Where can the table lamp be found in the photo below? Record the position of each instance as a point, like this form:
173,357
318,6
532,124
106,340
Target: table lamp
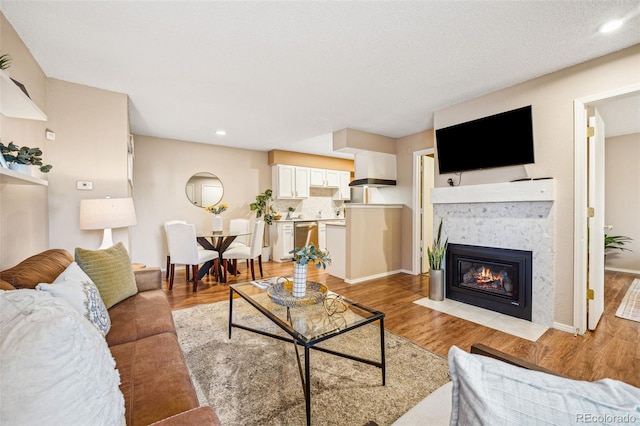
107,213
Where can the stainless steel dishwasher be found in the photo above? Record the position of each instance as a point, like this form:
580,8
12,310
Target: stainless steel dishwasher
306,233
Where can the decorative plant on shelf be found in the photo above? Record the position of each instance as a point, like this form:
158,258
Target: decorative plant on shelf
218,208
24,155
437,252
5,61
311,254
263,207
616,242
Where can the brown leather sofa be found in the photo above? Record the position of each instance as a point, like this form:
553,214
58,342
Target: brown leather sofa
142,339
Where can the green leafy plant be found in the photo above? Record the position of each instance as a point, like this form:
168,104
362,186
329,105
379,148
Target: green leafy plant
616,242
263,207
438,250
311,254
5,61
24,155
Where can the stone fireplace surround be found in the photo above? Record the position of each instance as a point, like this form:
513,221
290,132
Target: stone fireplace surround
513,215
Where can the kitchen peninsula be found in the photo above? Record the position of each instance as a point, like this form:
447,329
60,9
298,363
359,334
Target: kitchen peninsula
368,245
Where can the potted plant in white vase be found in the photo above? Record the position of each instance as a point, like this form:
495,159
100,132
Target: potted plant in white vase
436,255
301,258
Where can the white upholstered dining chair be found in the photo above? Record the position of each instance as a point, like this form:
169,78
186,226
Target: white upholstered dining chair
239,226
169,222
247,253
184,250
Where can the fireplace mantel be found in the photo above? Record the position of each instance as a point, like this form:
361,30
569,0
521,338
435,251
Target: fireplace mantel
533,190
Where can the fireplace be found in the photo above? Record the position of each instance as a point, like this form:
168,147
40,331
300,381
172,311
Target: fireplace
492,278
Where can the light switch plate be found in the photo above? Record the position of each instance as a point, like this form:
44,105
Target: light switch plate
84,185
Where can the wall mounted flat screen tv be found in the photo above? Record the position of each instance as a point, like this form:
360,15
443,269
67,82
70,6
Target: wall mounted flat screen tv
500,140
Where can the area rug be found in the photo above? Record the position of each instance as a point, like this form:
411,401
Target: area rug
254,380
630,306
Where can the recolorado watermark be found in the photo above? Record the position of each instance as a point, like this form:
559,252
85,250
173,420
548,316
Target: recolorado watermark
614,419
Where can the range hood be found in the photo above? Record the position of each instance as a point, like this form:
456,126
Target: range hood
374,169
372,182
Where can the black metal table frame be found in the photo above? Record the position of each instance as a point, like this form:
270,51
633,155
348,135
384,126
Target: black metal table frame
306,383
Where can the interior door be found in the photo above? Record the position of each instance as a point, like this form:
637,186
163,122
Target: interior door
595,297
427,170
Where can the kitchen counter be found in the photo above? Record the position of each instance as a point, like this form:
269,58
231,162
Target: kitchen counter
311,219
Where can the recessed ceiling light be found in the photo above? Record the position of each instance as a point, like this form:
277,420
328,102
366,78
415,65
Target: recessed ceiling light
611,26
221,132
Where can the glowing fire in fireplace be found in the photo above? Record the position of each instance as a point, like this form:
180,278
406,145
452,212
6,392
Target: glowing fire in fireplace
486,276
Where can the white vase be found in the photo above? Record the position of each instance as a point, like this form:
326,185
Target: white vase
299,280
217,223
21,168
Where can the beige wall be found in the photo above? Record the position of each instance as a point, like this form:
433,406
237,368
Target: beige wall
24,225
622,196
91,128
552,98
351,140
162,167
381,228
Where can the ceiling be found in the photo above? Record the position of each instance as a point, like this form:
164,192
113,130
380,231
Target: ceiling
285,75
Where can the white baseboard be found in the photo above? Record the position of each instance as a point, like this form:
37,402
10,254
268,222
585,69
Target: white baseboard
372,277
564,327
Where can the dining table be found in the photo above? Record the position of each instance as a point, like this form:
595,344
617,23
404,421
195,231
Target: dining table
220,242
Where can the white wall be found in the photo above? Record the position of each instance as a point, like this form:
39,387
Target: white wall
622,197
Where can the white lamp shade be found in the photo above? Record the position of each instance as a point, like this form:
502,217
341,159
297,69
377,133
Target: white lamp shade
106,213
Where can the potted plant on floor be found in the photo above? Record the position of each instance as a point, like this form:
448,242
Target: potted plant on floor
436,255
616,242
21,158
263,208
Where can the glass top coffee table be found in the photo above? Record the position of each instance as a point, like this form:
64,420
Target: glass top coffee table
309,325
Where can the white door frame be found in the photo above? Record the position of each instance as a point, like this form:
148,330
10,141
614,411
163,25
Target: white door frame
580,263
415,238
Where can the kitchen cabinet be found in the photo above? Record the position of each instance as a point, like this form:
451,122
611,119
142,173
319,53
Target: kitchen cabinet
324,178
282,238
15,103
322,235
344,191
291,181
336,236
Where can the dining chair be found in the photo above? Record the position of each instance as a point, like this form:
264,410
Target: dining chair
248,253
169,222
239,226
184,251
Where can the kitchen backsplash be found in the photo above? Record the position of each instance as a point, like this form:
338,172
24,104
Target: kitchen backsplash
320,205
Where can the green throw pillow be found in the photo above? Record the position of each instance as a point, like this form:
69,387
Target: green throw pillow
111,272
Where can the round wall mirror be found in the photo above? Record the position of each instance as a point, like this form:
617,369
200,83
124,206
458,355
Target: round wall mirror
204,189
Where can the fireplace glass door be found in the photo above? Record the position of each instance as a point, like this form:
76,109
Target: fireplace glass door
492,278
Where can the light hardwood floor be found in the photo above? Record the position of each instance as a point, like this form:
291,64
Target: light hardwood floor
612,350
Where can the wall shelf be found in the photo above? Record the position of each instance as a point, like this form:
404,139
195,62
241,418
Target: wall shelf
14,103
534,190
17,178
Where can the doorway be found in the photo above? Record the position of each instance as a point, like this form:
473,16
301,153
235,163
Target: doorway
423,171
583,263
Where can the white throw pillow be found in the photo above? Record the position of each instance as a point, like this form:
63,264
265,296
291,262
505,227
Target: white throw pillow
75,286
490,392
56,367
